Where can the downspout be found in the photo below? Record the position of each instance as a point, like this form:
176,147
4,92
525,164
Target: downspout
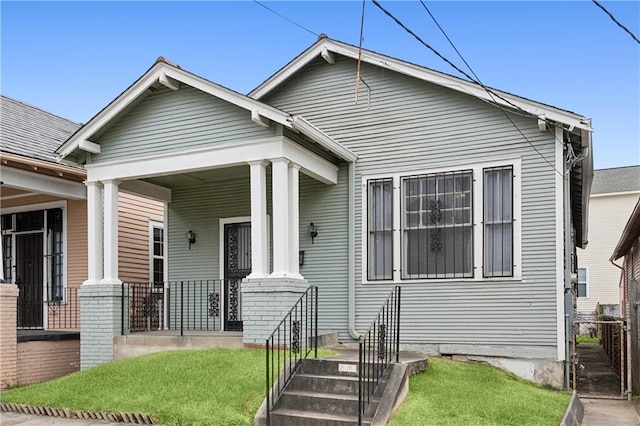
352,251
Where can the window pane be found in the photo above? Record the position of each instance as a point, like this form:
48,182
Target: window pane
29,221
582,289
380,223
440,243
498,222
7,241
582,275
158,270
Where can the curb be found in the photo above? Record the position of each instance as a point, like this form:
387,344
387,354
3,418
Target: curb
135,418
575,412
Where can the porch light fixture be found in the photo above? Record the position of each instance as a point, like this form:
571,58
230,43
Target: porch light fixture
313,231
301,257
191,238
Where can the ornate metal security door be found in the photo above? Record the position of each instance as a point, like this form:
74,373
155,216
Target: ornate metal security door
237,237
29,258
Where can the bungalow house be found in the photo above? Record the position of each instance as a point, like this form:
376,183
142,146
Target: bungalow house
628,247
470,199
44,244
613,195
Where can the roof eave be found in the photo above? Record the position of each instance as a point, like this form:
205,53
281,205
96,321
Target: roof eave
534,108
587,180
630,233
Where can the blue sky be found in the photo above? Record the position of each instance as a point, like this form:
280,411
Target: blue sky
73,58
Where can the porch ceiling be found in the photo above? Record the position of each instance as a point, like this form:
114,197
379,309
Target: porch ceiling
183,180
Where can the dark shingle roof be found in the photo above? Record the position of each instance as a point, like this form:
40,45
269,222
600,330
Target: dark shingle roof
619,179
31,132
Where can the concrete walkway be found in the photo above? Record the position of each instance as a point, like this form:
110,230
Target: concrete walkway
596,378
609,412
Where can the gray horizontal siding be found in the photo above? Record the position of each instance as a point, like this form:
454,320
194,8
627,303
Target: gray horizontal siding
171,121
410,125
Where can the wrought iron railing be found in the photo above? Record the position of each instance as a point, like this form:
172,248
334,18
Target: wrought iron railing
194,305
290,343
377,348
55,309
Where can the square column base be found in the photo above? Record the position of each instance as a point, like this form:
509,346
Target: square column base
101,307
265,302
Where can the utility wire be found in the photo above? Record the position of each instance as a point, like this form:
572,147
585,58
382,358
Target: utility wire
475,80
616,21
286,19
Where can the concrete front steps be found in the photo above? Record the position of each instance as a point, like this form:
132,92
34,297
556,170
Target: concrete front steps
325,393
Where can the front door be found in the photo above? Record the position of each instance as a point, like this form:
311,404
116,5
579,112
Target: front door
29,258
237,265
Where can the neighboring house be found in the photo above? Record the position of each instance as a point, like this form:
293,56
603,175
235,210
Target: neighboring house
424,182
44,237
613,195
629,247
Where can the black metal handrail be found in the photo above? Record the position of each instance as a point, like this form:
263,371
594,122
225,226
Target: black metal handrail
292,341
190,305
376,348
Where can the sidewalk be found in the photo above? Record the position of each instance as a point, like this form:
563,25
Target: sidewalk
13,419
609,412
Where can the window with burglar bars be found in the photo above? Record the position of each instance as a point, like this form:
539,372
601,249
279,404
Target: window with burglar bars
437,228
425,226
380,222
498,222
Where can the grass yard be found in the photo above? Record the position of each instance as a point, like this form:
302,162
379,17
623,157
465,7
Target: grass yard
226,387
207,387
453,393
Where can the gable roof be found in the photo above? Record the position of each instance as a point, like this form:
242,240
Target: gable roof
614,180
326,47
629,235
170,75
31,132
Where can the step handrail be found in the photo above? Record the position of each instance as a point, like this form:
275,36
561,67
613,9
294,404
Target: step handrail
295,337
376,348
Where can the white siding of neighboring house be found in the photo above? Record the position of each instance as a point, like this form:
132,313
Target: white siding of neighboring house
608,215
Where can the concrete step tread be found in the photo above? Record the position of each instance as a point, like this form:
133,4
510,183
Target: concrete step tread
310,394
317,415
328,376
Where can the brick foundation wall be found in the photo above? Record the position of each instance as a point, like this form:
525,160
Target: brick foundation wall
8,335
39,361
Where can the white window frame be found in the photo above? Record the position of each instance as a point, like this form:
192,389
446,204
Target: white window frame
478,217
154,224
586,283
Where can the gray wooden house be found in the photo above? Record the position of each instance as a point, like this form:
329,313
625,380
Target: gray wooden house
472,200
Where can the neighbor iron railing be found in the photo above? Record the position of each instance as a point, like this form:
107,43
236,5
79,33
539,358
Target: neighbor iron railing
295,337
194,305
55,309
377,347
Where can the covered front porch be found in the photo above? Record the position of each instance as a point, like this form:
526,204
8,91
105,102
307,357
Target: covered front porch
229,171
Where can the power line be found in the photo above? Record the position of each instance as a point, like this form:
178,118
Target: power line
476,80
616,21
286,19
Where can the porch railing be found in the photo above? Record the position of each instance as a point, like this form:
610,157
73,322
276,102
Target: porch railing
377,347
295,337
194,305
55,309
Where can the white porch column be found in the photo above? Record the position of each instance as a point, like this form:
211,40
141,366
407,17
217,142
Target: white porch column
259,248
94,232
111,231
281,225
294,220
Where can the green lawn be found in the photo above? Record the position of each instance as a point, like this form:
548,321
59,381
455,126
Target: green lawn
226,387
453,393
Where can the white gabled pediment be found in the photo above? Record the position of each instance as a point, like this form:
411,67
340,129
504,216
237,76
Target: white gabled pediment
171,77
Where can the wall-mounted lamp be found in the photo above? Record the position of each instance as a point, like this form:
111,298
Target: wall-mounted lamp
313,231
301,257
191,238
